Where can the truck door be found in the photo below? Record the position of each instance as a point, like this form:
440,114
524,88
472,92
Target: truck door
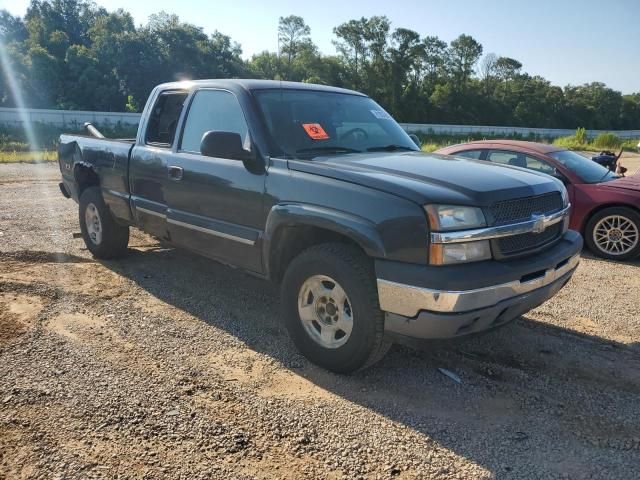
149,160
215,204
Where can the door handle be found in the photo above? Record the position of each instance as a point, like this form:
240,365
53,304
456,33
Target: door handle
175,173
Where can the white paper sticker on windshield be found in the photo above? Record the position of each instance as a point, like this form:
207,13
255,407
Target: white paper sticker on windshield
381,114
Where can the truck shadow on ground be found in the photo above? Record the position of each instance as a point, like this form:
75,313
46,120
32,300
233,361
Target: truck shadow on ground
520,386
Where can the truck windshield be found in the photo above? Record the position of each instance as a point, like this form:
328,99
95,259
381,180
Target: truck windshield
588,170
307,123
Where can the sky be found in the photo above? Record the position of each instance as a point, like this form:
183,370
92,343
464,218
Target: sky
565,41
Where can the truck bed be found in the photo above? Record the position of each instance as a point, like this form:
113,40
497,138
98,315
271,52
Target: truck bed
108,158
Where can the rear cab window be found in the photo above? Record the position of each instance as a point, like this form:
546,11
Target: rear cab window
163,119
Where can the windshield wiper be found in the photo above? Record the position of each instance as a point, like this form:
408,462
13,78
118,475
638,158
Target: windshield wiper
390,148
328,149
605,176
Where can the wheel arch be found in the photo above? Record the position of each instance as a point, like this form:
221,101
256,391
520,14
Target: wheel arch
85,176
599,208
292,228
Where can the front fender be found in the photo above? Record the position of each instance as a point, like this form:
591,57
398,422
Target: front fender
359,229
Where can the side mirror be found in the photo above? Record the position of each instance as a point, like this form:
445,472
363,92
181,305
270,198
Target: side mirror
223,145
415,139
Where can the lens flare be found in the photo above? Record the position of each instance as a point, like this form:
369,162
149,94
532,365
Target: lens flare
18,99
41,199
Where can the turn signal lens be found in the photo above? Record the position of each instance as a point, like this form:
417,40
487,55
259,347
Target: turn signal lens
447,254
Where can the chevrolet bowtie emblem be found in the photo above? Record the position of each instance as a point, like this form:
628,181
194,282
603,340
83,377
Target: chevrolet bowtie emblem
538,223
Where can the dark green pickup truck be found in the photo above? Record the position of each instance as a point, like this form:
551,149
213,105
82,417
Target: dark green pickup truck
320,190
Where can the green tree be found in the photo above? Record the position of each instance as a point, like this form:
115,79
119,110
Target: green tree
363,44
351,46
74,54
464,53
45,78
405,60
507,68
266,65
293,36
435,58
12,29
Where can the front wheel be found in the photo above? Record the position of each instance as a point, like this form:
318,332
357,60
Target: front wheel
330,301
614,233
102,235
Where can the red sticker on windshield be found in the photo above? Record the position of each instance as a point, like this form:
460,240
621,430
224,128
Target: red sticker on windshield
315,131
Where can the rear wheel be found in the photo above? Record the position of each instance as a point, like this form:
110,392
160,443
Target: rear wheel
330,302
614,233
103,236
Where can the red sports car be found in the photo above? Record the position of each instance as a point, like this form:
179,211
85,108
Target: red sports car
606,208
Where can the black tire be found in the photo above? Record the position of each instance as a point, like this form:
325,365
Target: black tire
114,237
353,271
589,234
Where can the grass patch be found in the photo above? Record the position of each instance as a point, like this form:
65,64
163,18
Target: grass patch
631,145
432,141
28,157
607,140
604,141
579,141
430,147
570,143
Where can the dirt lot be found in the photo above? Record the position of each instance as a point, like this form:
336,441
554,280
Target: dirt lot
165,365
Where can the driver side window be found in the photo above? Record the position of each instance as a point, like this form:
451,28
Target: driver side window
217,110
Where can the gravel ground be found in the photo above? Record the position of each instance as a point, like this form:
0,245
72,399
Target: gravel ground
165,365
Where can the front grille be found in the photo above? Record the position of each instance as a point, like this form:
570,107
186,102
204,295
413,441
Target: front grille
521,209
526,241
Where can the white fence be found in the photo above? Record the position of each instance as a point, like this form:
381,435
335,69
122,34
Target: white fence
62,118
11,116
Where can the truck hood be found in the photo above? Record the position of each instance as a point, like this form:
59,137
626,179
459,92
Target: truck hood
431,178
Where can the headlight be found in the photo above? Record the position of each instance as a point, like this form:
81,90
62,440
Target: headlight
453,217
444,218
446,254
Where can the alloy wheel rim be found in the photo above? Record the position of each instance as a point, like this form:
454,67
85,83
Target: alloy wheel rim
325,311
93,223
616,235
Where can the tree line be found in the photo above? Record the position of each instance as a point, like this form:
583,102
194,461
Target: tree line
73,54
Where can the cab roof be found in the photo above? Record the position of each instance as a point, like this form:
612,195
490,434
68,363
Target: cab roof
253,84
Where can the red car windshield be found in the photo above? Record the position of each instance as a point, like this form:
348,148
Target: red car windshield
585,168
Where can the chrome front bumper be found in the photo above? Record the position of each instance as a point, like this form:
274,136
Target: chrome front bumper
409,301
